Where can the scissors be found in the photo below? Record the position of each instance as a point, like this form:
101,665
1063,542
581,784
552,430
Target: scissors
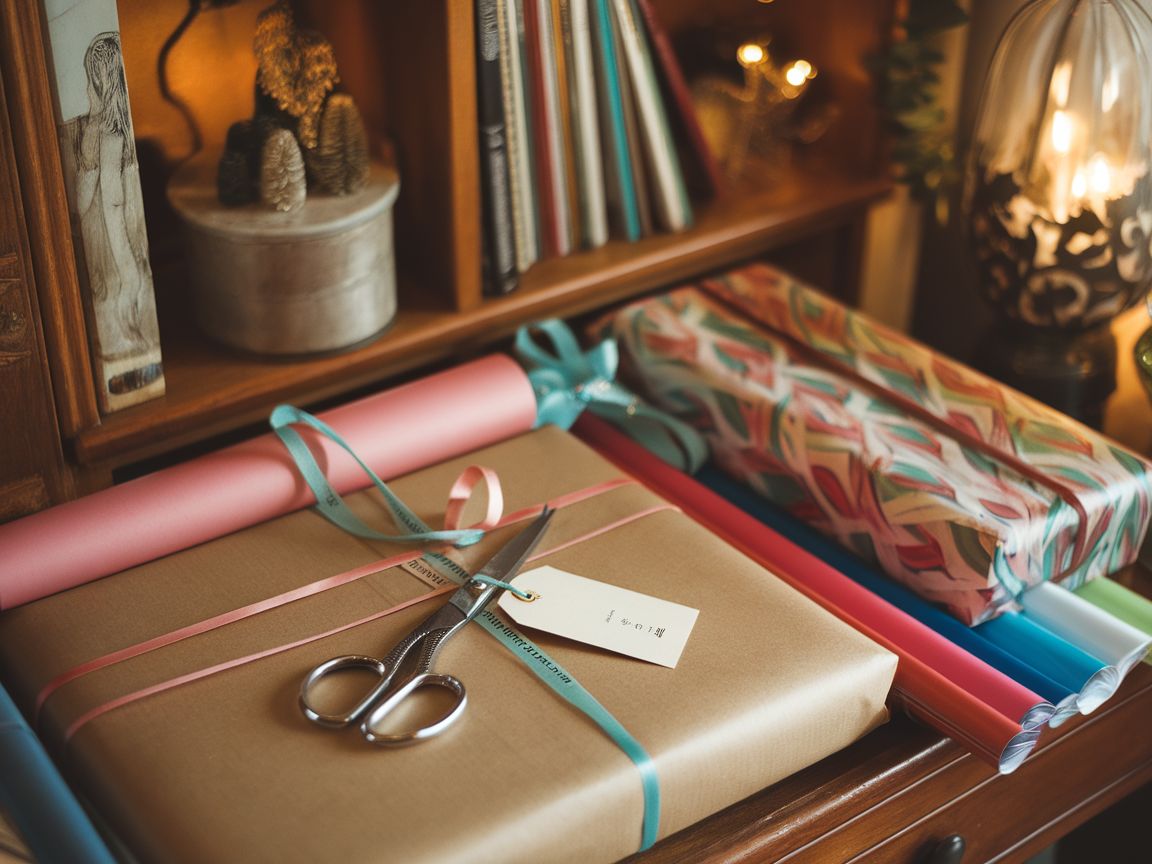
419,648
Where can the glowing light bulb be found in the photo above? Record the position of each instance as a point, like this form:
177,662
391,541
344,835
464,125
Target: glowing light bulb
750,54
1061,132
1061,78
1111,91
1079,185
795,76
1101,178
804,68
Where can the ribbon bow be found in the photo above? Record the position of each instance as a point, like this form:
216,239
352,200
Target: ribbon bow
571,380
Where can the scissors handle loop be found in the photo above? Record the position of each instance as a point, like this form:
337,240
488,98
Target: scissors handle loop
382,710
388,692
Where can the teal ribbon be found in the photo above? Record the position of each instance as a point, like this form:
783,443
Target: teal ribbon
328,500
332,507
571,380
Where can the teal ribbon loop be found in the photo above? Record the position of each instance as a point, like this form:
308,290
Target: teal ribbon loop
571,380
332,506
328,500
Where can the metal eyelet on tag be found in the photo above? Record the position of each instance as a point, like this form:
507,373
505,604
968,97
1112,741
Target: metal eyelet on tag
532,597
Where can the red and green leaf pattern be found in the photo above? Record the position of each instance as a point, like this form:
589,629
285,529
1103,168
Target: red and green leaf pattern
958,527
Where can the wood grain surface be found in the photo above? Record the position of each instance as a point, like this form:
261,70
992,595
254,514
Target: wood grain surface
33,130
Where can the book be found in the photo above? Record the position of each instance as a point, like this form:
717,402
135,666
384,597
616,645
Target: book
521,181
556,161
669,196
501,270
105,203
619,190
585,123
561,41
636,162
686,125
544,177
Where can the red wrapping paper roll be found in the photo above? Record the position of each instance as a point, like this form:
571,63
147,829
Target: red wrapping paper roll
394,432
923,690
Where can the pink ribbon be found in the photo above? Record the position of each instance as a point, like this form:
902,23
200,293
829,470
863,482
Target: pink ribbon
459,495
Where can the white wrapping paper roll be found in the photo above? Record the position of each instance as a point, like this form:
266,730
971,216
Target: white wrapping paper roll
1088,627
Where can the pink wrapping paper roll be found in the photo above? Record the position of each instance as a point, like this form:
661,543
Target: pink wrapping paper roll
394,432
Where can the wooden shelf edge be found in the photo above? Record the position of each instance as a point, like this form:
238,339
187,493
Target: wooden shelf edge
727,232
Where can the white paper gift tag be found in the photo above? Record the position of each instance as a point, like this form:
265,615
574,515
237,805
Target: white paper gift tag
603,615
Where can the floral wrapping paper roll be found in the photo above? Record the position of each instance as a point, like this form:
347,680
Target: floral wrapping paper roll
957,525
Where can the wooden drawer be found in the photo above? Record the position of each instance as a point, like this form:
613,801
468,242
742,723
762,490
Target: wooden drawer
1098,760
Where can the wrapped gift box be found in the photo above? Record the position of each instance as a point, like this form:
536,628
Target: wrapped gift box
942,475
226,769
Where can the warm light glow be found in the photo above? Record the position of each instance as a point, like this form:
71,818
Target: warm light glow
1079,185
1061,78
750,54
804,68
1111,91
1061,131
795,76
1100,175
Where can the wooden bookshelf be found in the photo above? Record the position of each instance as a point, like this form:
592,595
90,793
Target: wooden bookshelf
212,390
411,68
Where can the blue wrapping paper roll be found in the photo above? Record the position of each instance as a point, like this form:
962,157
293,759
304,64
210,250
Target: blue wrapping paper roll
41,805
1092,679
810,539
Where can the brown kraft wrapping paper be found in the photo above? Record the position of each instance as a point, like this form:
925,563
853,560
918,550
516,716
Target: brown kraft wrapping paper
226,769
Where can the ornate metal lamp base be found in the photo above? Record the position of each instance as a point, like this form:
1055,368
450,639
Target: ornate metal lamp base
1073,373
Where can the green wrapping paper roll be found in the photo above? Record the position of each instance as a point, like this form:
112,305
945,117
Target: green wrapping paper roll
1125,604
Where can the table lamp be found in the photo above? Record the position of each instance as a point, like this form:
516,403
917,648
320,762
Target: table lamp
1058,195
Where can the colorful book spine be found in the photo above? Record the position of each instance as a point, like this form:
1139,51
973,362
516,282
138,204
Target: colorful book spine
537,111
562,44
550,145
619,189
585,124
677,91
672,210
518,132
501,272
636,161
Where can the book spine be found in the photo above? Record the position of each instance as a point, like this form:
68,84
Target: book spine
556,163
636,165
620,192
586,127
562,22
501,274
541,148
678,90
519,135
105,202
512,134
668,192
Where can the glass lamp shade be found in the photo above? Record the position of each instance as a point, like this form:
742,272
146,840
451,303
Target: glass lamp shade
1058,193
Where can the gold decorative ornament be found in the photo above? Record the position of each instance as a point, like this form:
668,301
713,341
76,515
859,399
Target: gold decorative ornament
297,68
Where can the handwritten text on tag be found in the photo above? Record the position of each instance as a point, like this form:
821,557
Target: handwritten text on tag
603,615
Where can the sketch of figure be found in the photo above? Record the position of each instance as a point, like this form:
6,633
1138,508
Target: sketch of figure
111,208
102,180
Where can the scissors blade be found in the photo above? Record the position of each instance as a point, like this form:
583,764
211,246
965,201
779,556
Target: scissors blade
474,596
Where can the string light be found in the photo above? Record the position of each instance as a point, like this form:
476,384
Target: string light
750,54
